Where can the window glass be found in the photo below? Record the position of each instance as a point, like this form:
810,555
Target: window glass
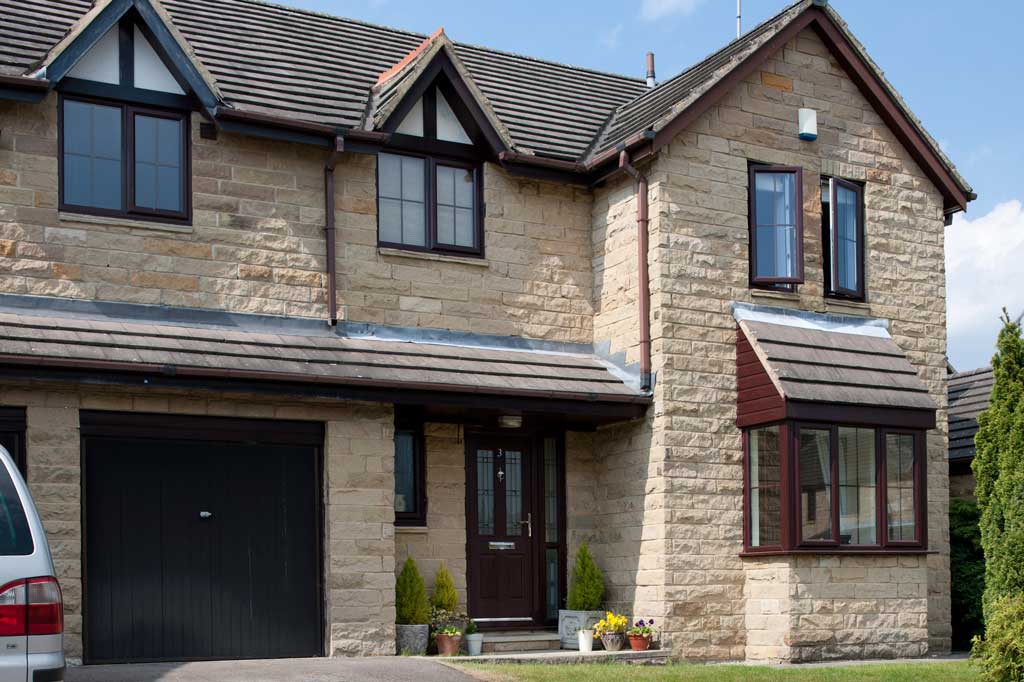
775,228
15,537
455,207
847,212
92,155
857,484
402,218
158,163
815,464
405,472
900,486
765,487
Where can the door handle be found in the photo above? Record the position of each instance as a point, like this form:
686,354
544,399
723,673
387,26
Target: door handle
205,514
529,525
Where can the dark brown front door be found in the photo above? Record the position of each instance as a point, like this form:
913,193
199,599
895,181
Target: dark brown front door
500,530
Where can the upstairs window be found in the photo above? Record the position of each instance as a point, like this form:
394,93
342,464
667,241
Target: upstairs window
123,161
776,226
842,217
815,487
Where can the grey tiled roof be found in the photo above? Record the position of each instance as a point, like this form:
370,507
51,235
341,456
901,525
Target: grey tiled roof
969,394
199,350
812,365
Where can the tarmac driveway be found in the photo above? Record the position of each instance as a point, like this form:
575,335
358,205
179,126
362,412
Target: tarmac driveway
376,669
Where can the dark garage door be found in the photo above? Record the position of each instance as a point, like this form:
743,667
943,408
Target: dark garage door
201,550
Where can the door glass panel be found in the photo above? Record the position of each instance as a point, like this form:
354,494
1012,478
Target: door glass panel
815,484
513,492
485,492
550,491
551,577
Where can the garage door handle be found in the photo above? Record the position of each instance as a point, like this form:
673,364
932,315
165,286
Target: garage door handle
205,514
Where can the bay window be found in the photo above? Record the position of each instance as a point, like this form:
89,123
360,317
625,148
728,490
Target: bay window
833,487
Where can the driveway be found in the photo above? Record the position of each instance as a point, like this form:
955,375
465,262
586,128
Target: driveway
377,669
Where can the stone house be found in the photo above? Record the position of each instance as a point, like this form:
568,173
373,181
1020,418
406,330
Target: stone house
288,298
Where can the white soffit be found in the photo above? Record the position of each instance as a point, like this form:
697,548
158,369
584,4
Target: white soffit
412,124
101,63
150,71
840,324
448,126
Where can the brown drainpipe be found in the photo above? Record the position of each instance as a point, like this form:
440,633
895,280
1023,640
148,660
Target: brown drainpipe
644,283
329,231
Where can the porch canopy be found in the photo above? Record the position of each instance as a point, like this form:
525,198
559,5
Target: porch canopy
799,365
442,373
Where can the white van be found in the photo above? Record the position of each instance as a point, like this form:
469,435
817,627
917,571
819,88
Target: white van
31,610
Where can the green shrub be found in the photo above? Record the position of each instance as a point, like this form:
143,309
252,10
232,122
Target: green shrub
445,595
1001,653
967,570
411,605
587,591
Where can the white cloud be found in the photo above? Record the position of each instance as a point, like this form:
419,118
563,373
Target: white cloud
984,268
652,10
611,38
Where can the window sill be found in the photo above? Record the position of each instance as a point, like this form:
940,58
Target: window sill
828,551
839,305
426,255
775,295
411,530
85,218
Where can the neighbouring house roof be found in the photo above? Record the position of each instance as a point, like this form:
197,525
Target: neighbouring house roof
319,69
830,359
969,394
208,344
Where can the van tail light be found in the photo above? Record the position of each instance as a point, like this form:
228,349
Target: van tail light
31,607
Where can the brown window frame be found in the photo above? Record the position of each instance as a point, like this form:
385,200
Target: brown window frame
128,208
418,516
433,245
757,280
830,246
790,510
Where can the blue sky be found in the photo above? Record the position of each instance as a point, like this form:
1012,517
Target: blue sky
954,67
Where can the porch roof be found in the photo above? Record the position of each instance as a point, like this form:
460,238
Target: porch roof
212,345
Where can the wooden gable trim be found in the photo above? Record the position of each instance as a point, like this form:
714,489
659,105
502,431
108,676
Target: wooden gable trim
863,75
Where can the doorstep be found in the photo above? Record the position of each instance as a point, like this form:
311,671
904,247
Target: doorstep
520,641
649,657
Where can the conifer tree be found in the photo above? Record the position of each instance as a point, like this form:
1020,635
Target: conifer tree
587,589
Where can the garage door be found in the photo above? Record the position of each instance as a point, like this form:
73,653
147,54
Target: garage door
199,549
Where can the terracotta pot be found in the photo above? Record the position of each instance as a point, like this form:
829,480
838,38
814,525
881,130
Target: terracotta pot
448,645
613,641
639,642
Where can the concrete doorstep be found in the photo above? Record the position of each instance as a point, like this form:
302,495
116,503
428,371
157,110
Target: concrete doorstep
568,656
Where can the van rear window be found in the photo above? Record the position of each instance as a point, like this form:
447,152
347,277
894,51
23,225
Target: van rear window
15,538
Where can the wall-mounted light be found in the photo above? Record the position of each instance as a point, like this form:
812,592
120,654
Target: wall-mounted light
510,421
808,120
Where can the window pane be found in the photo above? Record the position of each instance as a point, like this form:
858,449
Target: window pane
485,492
405,472
464,233
414,224
390,220
775,229
412,178
389,176
857,486
765,480
92,155
445,185
15,537
513,491
900,486
402,212
158,163
455,224
846,237
463,188
445,224
815,484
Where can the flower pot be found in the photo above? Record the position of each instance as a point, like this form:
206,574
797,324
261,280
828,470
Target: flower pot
585,640
640,642
411,640
448,645
473,643
571,622
613,641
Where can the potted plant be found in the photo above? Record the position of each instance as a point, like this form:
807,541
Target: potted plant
612,631
585,640
640,635
474,638
447,629
584,602
412,611
445,595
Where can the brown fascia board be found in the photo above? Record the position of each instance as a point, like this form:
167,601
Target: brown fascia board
24,82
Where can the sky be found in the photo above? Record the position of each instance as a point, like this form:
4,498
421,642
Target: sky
957,70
